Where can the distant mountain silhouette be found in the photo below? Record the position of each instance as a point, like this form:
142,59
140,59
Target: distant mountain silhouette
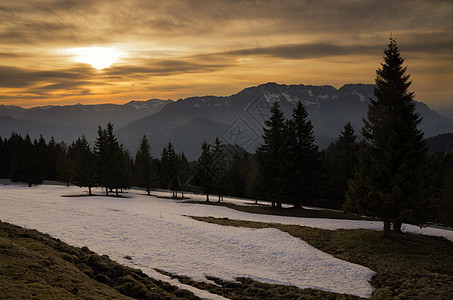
236,119
71,121
37,128
441,142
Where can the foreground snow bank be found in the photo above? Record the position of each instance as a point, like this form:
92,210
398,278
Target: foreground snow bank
156,234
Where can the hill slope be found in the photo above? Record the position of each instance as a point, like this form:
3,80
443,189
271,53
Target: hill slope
35,265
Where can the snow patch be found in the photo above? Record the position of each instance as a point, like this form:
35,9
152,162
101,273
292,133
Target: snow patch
156,234
270,98
362,98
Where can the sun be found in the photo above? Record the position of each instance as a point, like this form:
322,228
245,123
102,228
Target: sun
98,57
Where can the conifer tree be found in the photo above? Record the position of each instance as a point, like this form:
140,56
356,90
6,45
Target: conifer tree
17,162
184,174
3,161
169,167
302,159
238,173
84,162
203,170
145,170
50,159
219,166
125,166
64,165
255,180
109,160
26,162
271,155
344,161
391,180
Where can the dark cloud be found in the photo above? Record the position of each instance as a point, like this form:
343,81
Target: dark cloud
13,77
161,68
89,21
304,51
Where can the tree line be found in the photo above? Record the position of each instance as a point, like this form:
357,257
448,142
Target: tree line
387,174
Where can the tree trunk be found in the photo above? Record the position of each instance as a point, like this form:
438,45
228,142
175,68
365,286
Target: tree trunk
207,197
297,204
219,198
106,191
397,227
148,191
116,190
273,203
386,228
89,190
67,184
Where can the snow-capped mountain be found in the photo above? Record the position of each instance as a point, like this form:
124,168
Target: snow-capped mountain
236,119
243,115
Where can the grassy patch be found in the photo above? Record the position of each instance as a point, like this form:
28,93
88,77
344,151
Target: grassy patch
171,197
246,288
94,195
408,266
35,265
288,212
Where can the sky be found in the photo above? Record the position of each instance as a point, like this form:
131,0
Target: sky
62,52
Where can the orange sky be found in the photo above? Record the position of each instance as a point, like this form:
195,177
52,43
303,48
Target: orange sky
65,52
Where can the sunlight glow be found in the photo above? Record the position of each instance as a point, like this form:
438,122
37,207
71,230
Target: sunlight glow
98,57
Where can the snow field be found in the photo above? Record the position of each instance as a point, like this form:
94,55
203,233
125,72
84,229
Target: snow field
157,234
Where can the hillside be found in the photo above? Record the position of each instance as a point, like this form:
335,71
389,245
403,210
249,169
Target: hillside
35,265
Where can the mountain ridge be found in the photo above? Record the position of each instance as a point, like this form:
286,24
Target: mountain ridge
236,119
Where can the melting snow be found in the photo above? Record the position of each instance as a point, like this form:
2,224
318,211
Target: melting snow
157,234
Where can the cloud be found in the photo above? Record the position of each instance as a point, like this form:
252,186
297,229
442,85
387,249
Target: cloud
304,51
161,68
165,40
13,77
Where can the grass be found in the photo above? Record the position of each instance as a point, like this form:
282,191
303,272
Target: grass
288,212
170,197
407,266
246,288
34,265
112,195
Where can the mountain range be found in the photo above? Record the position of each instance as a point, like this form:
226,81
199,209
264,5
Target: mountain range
236,119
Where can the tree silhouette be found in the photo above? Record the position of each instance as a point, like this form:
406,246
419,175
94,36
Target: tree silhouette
145,170
302,159
84,162
391,181
271,156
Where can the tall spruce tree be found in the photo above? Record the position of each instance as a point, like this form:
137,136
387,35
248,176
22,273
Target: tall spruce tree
344,161
203,174
169,168
84,162
145,170
391,180
184,174
219,167
109,160
271,155
302,158
64,164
